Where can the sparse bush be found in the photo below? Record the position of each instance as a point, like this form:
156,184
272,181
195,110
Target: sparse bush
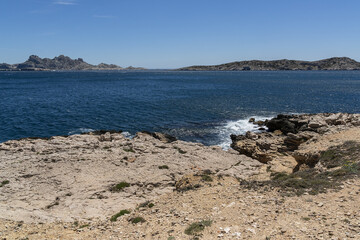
197,227
164,167
146,204
206,178
136,220
129,149
119,187
5,182
119,214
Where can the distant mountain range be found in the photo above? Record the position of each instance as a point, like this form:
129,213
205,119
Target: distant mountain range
60,63
336,63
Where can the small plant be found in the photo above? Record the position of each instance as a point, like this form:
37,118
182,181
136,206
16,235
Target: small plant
84,226
180,150
206,178
129,150
3,183
346,221
305,218
119,187
146,204
119,214
164,167
137,220
197,227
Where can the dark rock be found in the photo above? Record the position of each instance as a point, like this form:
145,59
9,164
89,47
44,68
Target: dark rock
161,136
259,123
281,123
251,120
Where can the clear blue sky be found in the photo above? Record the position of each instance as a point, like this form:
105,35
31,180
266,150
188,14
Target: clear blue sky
176,33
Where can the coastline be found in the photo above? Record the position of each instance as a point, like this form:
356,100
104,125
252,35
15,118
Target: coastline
68,183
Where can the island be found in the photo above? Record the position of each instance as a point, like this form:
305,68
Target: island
335,63
60,63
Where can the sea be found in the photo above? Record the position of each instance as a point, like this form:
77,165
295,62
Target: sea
204,107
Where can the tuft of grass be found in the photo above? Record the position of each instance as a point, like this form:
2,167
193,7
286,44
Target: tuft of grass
129,150
206,178
84,226
137,220
146,204
180,150
119,214
119,187
197,227
5,182
305,218
164,167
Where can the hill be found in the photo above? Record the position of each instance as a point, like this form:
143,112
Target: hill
60,63
336,63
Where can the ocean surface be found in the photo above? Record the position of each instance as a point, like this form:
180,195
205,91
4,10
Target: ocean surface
204,107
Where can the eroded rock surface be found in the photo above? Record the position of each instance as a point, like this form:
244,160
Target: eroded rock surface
68,178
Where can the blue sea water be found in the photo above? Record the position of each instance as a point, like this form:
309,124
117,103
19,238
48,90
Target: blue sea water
195,106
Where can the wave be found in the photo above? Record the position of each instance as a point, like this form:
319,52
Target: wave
80,130
239,127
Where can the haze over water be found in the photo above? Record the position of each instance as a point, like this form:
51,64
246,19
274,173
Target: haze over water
195,106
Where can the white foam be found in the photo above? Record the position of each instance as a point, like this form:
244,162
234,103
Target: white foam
80,130
128,135
238,127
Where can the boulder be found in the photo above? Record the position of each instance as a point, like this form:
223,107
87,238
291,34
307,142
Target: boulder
282,123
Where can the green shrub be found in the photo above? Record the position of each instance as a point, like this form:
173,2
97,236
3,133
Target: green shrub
197,227
164,167
119,187
136,220
119,214
3,183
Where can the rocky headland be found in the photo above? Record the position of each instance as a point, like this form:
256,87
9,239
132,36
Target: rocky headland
297,179
60,63
336,63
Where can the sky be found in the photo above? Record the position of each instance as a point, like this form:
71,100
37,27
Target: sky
177,33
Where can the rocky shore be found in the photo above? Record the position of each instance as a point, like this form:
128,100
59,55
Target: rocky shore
335,63
297,179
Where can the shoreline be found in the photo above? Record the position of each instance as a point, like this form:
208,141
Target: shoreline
68,187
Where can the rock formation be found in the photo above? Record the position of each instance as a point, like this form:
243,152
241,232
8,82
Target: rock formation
60,63
336,63
291,139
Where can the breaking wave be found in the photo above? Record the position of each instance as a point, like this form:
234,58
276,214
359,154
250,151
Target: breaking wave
238,127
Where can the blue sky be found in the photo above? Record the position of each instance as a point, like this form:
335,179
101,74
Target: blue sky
176,33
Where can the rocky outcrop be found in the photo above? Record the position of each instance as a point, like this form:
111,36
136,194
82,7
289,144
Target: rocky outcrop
96,174
291,139
60,63
336,63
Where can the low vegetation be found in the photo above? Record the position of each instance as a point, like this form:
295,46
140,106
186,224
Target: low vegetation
146,204
119,187
180,150
197,227
5,182
164,167
119,214
340,163
137,220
